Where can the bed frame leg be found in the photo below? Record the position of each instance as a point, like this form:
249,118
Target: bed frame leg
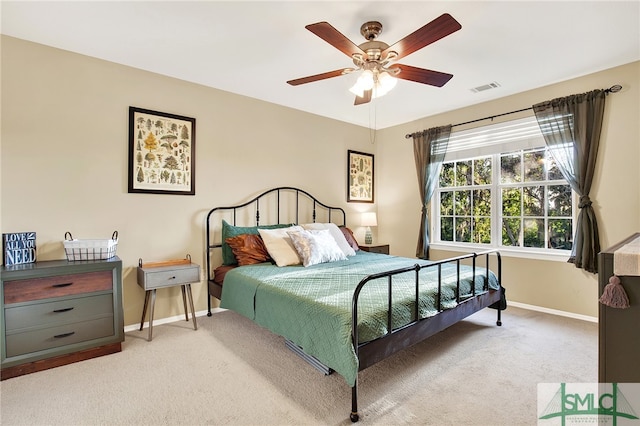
208,304
499,320
354,403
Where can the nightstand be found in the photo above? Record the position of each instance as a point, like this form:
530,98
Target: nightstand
152,276
375,248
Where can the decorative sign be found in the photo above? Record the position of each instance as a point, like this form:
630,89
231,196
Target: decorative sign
19,248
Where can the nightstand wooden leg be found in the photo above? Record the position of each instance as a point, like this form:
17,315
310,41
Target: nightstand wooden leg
144,309
184,303
193,311
153,304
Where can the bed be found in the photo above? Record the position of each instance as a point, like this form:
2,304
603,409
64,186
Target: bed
342,310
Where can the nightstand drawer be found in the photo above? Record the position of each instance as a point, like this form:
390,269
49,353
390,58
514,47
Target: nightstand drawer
53,337
59,312
168,276
56,286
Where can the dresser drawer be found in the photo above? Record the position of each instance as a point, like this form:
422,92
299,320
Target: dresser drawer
59,312
62,335
168,276
56,286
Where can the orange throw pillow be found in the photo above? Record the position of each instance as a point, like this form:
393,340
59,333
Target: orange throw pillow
248,249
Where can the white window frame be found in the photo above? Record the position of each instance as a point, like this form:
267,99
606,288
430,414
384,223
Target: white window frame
494,140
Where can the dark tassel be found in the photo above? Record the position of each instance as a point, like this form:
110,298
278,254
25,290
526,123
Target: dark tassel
614,294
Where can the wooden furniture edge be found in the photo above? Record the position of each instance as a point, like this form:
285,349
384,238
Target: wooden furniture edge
57,361
165,263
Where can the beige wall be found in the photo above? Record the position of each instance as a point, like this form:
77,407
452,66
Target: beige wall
615,192
64,167
64,159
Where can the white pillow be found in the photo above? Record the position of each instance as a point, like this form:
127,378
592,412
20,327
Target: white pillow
336,233
279,245
315,247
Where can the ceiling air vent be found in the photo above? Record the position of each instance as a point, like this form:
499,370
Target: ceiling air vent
484,87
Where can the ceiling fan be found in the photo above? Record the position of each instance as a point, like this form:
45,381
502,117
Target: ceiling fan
377,59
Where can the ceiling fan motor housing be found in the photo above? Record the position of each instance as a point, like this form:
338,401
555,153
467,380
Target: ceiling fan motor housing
370,30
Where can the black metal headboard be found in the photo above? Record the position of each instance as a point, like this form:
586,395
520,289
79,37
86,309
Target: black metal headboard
283,204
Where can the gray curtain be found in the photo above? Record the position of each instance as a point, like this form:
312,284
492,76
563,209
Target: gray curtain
429,148
571,128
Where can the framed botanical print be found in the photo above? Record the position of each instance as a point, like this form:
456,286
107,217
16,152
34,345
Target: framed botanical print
360,177
162,156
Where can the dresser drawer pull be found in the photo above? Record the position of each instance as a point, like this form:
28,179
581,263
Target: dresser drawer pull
59,336
62,310
62,285
172,278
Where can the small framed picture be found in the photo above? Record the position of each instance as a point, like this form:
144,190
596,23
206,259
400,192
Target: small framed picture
162,156
360,177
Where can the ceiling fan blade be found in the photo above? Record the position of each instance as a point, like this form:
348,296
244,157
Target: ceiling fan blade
366,98
328,33
440,27
421,75
317,77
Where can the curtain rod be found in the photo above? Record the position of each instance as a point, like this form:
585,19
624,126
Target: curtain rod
612,89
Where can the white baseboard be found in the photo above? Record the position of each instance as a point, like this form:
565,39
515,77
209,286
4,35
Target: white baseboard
135,327
552,311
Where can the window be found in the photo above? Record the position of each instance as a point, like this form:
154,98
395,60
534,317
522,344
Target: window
514,198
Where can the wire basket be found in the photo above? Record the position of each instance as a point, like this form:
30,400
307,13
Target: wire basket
90,249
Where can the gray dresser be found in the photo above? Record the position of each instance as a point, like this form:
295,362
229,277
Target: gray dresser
619,329
58,312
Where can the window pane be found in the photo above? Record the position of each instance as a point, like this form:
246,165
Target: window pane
534,166
511,202
560,200
482,171
446,203
482,202
463,229
533,197
463,173
482,230
447,175
552,169
446,229
511,232
560,234
510,168
534,233
534,203
463,203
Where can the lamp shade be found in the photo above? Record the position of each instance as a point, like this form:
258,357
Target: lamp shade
379,81
369,219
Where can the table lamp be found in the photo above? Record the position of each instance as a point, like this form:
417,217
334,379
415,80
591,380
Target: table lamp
369,219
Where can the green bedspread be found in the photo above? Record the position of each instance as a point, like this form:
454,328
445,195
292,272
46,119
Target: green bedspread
312,306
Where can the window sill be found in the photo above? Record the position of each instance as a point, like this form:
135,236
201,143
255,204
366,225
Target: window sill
558,256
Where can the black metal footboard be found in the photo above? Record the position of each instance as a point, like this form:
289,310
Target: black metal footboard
394,340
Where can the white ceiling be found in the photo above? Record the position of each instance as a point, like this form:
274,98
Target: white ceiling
253,48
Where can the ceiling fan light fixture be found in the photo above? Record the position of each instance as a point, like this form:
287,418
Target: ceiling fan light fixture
357,90
364,82
387,81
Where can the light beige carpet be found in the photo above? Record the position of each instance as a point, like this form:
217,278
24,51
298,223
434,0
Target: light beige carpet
232,372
